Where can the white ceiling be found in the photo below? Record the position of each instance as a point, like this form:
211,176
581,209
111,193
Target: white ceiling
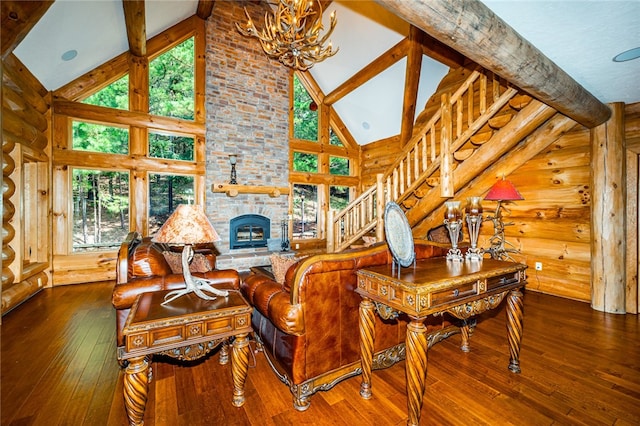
580,36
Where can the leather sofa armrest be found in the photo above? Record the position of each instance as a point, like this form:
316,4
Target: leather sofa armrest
126,248
274,302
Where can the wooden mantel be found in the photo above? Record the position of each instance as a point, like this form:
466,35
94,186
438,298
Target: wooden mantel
233,190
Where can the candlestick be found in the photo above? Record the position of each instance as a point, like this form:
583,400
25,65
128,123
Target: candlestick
474,220
453,222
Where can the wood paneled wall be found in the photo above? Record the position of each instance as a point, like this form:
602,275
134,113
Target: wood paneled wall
26,185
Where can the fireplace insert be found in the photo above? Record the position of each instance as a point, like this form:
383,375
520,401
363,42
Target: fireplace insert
249,231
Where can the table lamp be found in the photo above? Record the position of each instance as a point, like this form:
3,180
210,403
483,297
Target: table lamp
186,226
502,190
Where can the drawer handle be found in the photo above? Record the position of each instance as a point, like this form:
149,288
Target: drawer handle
456,292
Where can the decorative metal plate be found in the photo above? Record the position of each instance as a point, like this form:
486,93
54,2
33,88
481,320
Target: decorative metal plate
398,234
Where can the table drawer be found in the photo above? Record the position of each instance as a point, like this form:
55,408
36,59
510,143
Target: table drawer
460,292
497,282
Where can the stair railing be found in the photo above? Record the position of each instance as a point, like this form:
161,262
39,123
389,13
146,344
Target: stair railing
427,157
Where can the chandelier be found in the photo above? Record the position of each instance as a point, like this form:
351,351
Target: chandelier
292,33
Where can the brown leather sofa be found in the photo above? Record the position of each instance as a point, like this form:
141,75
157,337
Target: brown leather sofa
308,326
142,267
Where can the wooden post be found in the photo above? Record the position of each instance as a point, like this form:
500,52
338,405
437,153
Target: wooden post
330,229
381,200
608,241
446,156
631,297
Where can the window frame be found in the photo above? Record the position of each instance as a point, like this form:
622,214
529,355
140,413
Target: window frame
68,107
328,120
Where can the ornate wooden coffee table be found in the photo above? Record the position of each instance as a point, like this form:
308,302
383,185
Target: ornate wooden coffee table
187,328
433,287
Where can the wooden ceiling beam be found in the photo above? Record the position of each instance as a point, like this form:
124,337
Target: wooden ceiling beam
378,65
17,19
411,83
474,30
205,8
442,53
135,22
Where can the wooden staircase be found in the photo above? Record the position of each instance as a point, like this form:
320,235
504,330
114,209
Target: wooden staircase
466,120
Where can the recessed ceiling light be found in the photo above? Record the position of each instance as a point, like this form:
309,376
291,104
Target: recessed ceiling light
69,55
627,55
366,125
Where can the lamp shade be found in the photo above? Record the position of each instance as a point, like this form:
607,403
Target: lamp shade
187,225
503,190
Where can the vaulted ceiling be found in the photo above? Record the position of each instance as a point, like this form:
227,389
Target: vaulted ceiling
581,37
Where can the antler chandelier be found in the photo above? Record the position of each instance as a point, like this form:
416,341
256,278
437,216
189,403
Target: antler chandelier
292,33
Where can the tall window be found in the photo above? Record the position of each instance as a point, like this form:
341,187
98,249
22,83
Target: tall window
305,211
100,208
305,113
100,138
170,146
166,192
115,95
322,172
171,82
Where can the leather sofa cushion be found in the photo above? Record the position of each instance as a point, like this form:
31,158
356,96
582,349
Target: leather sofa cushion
199,263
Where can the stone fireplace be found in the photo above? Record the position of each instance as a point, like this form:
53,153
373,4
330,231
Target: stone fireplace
247,107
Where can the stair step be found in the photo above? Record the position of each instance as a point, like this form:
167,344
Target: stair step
433,181
481,137
519,101
423,190
499,121
409,203
463,154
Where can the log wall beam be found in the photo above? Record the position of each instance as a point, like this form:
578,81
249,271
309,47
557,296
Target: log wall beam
474,30
18,18
205,7
608,237
378,65
135,22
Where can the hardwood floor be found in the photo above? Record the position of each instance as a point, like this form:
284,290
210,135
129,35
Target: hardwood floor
579,366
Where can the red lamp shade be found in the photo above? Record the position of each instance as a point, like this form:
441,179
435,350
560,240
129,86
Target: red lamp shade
503,190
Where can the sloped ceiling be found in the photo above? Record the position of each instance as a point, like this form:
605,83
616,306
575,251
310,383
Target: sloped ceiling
581,37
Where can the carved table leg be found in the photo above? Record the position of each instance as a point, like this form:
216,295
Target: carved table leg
515,315
136,387
239,367
367,336
416,366
465,331
224,352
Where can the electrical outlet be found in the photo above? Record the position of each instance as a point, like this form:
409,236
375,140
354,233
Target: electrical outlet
538,266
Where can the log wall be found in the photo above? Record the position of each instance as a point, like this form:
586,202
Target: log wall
552,223
26,176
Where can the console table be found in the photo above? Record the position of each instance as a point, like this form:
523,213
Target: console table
187,328
433,287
